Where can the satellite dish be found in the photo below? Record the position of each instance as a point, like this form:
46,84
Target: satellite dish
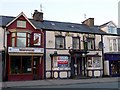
100,45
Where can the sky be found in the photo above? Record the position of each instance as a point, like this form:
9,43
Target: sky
74,11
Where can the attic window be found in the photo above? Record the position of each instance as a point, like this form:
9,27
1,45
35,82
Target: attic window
53,24
21,24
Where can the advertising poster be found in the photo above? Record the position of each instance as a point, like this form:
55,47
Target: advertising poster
37,39
62,61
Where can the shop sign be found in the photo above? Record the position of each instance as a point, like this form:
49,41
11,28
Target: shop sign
25,50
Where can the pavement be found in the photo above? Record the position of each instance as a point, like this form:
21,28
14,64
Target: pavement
49,82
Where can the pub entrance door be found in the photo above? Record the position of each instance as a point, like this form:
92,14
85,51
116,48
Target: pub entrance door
78,67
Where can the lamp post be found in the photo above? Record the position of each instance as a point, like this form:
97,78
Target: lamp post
83,60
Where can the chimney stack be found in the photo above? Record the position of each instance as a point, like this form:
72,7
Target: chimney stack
38,16
89,22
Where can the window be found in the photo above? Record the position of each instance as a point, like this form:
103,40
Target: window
89,62
76,43
110,45
21,24
114,45
91,43
37,39
60,42
112,30
118,44
20,39
20,65
94,62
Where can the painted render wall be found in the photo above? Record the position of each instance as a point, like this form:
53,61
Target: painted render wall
50,47
1,38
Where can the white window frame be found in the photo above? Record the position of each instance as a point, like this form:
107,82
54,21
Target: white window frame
21,23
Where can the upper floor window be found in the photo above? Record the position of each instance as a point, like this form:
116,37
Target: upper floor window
110,45
76,42
114,45
20,39
118,44
91,43
112,30
21,24
60,42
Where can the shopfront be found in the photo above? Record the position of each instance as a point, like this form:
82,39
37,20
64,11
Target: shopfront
84,64
112,64
25,64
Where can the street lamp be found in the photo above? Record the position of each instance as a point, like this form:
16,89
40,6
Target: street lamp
83,56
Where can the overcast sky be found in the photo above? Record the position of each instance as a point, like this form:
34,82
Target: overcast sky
64,10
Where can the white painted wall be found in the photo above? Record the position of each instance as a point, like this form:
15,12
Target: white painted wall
1,38
50,47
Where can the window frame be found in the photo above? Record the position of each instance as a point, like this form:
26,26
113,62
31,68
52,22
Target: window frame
15,70
21,24
15,37
78,42
93,42
64,42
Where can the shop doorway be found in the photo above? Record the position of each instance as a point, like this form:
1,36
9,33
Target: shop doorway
36,66
79,68
115,68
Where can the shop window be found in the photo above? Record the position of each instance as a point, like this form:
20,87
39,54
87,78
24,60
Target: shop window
76,43
115,67
94,62
20,65
60,42
91,43
20,39
89,62
61,62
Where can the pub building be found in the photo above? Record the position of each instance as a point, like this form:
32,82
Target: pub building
25,49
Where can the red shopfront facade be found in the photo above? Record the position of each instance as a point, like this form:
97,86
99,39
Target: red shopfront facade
25,50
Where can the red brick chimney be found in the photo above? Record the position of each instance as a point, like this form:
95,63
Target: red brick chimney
89,22
38,16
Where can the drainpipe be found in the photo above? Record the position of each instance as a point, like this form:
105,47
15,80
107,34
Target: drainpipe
102,53
44,54
4,61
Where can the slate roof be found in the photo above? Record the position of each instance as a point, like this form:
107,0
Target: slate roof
57,26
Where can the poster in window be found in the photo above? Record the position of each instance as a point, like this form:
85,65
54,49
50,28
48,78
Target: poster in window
37,39
62,61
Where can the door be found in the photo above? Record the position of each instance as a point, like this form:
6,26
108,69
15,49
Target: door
36,61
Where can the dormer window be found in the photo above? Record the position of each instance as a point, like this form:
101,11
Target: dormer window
21,24
112,30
